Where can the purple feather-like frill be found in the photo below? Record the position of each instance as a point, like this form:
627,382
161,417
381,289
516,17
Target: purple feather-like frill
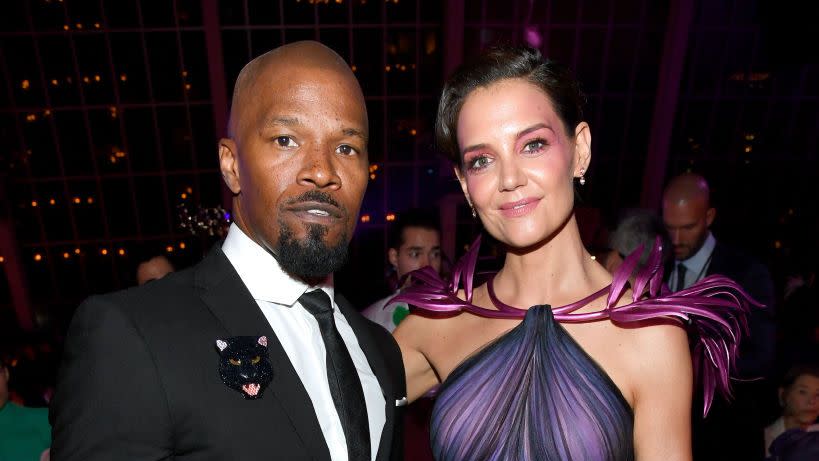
713,309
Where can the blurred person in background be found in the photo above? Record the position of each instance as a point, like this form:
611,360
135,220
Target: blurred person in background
414,241
732,430
635,228
799,400
152,264
24,432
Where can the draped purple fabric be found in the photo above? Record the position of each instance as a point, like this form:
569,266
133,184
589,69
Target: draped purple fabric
714,309
533,394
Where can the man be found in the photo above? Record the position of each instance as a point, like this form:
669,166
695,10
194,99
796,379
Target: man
414,241
250,354
153,268
24,432
731,430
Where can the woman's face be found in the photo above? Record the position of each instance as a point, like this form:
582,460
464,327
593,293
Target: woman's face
519,162
801,400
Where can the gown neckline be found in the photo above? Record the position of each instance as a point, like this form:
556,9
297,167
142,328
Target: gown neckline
466,362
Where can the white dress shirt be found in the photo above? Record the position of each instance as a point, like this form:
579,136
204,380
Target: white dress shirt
277,294
696,266
383,314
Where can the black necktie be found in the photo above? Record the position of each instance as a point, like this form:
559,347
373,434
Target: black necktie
680,277
342,377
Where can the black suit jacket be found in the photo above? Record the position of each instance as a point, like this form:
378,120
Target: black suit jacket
757,351
139,377
733,429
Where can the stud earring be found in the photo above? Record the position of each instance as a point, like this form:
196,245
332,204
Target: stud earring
582,177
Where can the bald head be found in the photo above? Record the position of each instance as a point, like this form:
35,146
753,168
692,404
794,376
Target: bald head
298,56
296,158
687,187
687,213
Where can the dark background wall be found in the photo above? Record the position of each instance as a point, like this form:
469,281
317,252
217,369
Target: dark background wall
110,111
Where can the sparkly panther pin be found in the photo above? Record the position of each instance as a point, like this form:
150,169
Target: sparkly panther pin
243,364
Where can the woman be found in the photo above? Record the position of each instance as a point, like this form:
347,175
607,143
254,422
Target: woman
799,399
594,387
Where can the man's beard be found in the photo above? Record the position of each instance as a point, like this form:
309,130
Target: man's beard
312,257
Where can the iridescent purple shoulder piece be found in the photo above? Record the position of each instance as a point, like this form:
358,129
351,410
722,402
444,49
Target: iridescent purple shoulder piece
714,309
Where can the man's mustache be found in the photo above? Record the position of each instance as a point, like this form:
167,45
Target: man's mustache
318,197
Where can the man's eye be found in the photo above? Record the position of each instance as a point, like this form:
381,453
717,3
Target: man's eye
285,141
346,149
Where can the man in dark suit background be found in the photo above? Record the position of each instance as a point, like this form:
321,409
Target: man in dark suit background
141,379
731,430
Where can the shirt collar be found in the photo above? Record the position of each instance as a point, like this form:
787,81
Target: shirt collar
261,272
697,263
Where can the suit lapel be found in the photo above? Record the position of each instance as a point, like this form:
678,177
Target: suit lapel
231,303
376,360
718,261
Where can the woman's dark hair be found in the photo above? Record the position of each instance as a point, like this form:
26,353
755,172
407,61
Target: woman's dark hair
501,63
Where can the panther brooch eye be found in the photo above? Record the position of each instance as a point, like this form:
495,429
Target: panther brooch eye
243,364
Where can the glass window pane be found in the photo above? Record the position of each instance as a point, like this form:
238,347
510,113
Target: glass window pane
73,140
195,74
166,74
176,138
141,148
121,13
119,210
129,67
151,205
85,204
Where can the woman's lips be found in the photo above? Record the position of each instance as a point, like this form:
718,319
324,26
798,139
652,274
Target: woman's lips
519,208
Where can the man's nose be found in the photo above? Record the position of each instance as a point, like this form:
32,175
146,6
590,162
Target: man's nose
318,169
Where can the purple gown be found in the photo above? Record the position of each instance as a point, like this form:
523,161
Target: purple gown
535,394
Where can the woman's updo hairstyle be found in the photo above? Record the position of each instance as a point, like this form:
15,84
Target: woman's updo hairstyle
501,63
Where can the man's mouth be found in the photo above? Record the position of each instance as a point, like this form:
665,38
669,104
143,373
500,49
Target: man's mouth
318,210
251,389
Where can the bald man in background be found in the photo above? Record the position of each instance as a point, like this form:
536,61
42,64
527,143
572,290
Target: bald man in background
731,430
250,354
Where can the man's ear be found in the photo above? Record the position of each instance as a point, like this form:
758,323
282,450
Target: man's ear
229,164
392,256
710,215
582,149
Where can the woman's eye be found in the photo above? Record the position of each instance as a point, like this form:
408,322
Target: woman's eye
346,149
478,162
534,146
285,141
235,362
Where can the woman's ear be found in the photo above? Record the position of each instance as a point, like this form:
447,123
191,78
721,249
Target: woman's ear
582,149
462,181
